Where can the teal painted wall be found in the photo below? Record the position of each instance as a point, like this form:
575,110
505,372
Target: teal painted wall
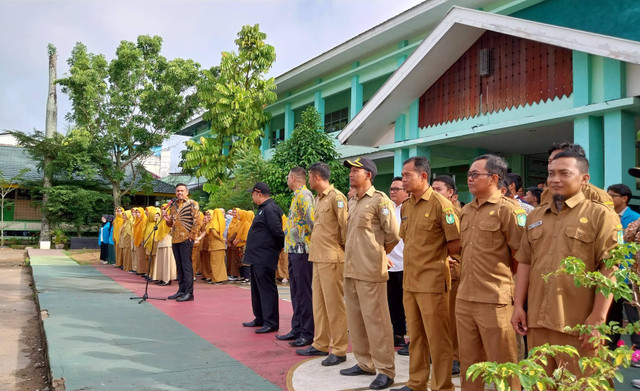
617,18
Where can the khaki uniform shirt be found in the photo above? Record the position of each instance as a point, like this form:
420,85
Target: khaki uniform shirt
583,229
330,227
372,232
455,268
185,220
489,232
427,225
590,191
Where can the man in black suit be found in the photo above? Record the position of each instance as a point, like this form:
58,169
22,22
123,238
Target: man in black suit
264,243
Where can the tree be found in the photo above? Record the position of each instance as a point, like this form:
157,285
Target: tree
51,125
123,108
308,144
234,101
6,187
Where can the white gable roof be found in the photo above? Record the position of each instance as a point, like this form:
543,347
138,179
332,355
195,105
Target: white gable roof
457,31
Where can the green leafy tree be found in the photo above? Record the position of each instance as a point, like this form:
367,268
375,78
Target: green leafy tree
604,367
234,101
7,186
308,144
123,108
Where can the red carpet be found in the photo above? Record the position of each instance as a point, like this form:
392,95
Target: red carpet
216,315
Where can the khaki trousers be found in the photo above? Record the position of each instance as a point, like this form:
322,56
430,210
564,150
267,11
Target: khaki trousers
329,311
540,336
453,292
370,325
428,327
119,255
283,266
485,334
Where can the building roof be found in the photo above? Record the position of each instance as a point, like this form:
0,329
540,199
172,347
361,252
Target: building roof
15,159
410,23
457,31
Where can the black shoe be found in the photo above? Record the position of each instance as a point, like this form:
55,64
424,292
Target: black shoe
174,297
355,371
300,342
381,382
456,367
253,323
266,329
185,297
311,351
398,341
290,336
404,351
405,388
164,283
333,360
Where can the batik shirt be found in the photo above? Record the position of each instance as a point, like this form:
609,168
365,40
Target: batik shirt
300,222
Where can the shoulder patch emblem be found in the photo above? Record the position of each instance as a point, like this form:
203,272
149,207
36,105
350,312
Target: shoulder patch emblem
385,210
521,218
340,204
449,218
584,220
620,237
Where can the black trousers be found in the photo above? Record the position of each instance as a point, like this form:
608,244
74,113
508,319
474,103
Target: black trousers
396,308
182,254
264,296
300,276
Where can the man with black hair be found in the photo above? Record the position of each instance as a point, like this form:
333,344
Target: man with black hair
621,195
326,252
569,225
446,186
430,231
532,196
512,182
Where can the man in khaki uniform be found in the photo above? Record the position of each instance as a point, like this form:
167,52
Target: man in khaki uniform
327,254
490,229
569,225
430,231
372,232
446,186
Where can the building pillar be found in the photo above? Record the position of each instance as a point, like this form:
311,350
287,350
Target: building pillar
614,78
414,110
318,103
289,121
417,150
619,148
356,96
582,81
265,139
399,156
589,133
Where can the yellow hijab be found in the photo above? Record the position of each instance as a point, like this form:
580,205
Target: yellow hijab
128,223
151,222
234,225
117,224
163,228
138,227
246,218
217,222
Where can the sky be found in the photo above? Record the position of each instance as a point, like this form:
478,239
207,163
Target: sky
197,29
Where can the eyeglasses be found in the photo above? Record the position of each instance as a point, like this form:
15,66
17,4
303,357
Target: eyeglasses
395,189
474,175
614,195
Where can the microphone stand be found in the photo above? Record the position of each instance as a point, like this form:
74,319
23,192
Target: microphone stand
145,297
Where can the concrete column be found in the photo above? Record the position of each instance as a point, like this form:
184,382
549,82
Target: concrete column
420,151
265,139
318,103
399,156
615,79
619,148
289,121
581,79
589,133
414,109
356,96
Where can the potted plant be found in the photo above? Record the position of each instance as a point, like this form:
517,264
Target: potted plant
59,238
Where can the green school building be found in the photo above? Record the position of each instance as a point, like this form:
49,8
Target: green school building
452,79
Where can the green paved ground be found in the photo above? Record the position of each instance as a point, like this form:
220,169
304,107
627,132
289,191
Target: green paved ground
99,339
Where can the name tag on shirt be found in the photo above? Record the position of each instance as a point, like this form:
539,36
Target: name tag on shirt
536,224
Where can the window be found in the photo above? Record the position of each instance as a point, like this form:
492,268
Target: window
276,137
336,121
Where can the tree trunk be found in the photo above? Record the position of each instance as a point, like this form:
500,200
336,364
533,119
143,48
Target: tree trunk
50,129
2,219
117,195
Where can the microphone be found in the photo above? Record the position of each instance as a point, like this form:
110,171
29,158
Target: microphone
171,201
